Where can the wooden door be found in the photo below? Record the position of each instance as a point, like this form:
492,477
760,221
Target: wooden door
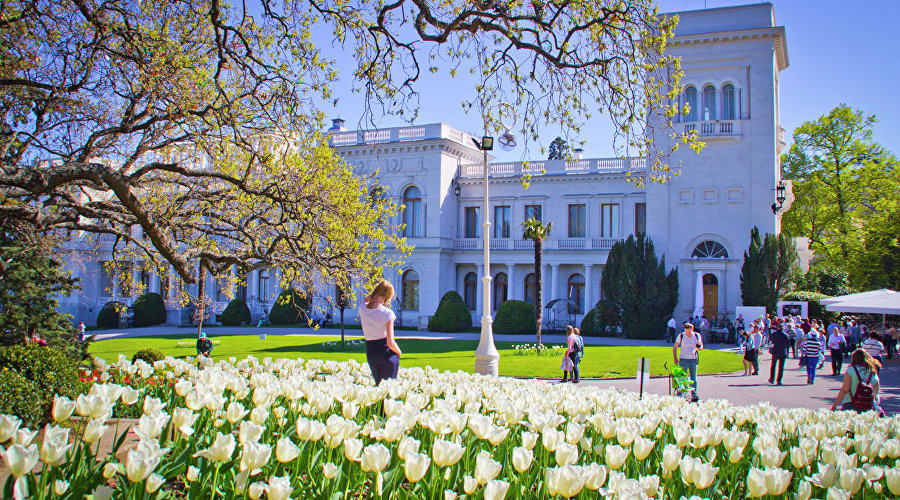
710,296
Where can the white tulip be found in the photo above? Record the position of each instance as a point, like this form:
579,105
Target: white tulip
799,458
650,484
55,445
470,485
407,444
20,459
256,490
837,494
279,488
110,470
352,449
804,491
566,454
221,450
446,453
777,480
93,431
259,416
450,495
235,412
130,396
642,448
329,470
851,479
154,481
756,483
375,458
486,468
286,450
495,490
415,466
595,476
522,458
671,457
892,478
139,464
60,487
192,474
62,410
529,439
550,438
616,456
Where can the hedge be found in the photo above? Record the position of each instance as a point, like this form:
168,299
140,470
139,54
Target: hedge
21,397
149,310
108,317
290,308
601,321
516,317
148,354
49,372
451,315
236,313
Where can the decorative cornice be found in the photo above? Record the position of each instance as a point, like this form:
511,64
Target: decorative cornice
776,33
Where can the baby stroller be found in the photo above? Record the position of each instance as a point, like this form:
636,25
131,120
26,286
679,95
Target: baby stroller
681,382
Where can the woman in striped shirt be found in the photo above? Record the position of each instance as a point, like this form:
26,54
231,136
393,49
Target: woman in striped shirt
810,348
874,346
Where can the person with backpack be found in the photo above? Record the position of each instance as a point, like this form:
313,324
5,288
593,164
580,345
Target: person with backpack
573,355
860,391
691,344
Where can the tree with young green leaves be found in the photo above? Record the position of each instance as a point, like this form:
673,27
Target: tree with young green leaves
534,230
770,266
635,282
844,183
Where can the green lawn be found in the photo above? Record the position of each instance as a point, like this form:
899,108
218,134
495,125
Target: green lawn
599,361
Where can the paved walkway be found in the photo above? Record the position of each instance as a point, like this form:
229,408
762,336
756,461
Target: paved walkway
736,388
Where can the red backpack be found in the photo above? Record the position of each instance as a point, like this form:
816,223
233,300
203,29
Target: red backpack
864,397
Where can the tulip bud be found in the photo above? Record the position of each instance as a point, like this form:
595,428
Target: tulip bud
329,470
192,474
256,490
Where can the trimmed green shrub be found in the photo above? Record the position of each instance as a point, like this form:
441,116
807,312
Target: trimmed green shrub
149,310
452,315
108,317
148,354
49,369
21,397
290,308
601,321
235,313
516,317
816,309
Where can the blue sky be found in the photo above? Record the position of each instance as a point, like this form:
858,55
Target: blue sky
839,51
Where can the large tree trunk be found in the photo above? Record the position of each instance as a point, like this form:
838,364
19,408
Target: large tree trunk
539,287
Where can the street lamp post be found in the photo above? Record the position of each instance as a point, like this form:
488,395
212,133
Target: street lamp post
487,359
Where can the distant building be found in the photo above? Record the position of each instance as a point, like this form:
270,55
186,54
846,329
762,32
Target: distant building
700,220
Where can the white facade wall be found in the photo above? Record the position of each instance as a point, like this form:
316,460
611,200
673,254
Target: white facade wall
719,195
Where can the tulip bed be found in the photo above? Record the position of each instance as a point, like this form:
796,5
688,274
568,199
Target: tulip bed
321,429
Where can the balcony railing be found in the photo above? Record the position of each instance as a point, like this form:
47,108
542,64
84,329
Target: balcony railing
594,244
400,134
714,128
556,167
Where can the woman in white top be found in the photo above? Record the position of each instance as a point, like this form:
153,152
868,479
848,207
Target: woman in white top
377,321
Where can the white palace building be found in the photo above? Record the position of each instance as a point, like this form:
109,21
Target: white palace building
700,220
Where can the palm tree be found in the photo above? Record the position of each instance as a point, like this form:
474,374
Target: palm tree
537,232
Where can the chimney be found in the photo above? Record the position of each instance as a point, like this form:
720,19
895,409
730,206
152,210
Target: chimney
578,153
337,125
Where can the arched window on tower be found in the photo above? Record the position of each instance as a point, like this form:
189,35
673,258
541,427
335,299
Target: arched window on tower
470,290
728,102
709,103
411,290
413,213
690,98
710,250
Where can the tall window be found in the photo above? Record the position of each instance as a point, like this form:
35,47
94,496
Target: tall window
413,216
164,287
709,103
145,280
576,221
576,291
411,290
241,285
533,212
222,288
500,284
690,98
473,220
501,222
530,288
609,220
640,218
126,279
728,102
470,290
263,285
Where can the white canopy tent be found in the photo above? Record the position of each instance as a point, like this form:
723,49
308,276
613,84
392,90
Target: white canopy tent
872,294
881,304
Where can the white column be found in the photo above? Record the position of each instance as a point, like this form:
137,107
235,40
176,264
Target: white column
510,281
588,287
479,290
554,282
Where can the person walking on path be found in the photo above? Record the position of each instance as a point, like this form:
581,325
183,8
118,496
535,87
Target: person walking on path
823,342
860,391
756,342
670,329
377,321
810,349
691,344
81,329
874,347
780,346
572,356
836,344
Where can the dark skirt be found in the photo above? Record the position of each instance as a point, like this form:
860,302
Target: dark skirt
383,362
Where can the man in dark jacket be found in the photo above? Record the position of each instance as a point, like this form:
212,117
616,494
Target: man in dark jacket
780,345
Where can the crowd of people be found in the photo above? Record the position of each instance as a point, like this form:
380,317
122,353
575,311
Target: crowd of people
810,342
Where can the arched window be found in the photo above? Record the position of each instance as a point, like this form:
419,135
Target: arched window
690,98
500,284
728,102
576,291
709,103
411,290
262,289
710,250
413,216
530,287
470,290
